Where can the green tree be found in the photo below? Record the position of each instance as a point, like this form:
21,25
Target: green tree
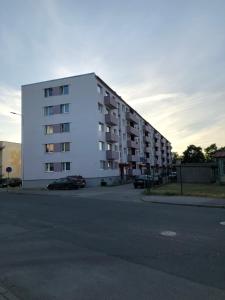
209,151
175,157
193,154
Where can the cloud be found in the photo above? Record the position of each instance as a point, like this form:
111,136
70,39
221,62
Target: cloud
10,125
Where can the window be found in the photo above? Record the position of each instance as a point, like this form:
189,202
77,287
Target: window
100,107
48,92
125,151
49,129
65,147
106,93
48,110
100,127
116,148
64,108
108,129
123,108
124,136
64,90
49,167
109,164
65,166
101,146
99,89
49,148
115,131
65,127
109,146
102,164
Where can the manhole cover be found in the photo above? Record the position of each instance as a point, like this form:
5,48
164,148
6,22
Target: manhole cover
168,233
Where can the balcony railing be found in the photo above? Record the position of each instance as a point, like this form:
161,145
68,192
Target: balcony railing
111,120
112,155
132,144
147,138
111,137
132,130
110,102
133,158
132,117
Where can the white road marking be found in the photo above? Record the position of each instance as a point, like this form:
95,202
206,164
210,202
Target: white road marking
168,233
222,223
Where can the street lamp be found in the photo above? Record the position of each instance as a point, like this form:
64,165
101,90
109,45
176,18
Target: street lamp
19,114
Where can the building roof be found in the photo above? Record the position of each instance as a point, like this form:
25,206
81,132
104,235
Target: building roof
219,154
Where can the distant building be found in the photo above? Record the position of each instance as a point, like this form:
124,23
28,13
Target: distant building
220,159
10,156
80,126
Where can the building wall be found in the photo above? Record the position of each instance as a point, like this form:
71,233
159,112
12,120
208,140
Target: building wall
84,116
10,156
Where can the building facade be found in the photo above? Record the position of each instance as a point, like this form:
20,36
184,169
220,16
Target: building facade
10,156
80,126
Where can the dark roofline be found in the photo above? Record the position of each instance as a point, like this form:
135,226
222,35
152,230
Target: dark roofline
59,79
112,91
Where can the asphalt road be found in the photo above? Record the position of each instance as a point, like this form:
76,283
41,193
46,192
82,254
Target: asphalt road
87,248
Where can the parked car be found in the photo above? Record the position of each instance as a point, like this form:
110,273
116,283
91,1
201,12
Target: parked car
81,182
63,184
13,182
144,181
3,182
173,176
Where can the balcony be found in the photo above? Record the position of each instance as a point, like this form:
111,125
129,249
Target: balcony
133,158
111,120
112,155
147,149
111,137
147,138
147,128
132,144
132,130
132,117
110,102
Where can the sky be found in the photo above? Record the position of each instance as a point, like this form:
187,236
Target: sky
165,58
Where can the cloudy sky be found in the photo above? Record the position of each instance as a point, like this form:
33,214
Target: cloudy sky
165,58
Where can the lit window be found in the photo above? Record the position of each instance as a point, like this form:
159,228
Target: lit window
108,129
100,107
65,166
49,148
49,167
48,129
65,147
101,146
99,89
100,127
109,146
64,108
65,127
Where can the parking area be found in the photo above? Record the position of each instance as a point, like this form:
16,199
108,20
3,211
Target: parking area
124,192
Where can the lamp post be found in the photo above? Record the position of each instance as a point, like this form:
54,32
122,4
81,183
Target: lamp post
21,115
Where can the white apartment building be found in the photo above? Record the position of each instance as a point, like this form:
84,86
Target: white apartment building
80,126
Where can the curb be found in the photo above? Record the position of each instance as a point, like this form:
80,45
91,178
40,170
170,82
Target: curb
184,204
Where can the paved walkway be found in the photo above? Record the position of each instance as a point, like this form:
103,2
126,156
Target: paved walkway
185,200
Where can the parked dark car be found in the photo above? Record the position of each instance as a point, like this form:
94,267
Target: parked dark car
81,182
144,181
3,182
12,182
63,184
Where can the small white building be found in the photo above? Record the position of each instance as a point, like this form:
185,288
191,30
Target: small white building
10,156
79,126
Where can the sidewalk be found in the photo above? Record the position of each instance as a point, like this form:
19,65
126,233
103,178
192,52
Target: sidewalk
185,200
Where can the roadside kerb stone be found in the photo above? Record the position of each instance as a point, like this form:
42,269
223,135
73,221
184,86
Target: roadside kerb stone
185,201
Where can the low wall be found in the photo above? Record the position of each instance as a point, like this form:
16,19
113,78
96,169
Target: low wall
197,173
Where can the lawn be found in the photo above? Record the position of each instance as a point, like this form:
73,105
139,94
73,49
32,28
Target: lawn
204,190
